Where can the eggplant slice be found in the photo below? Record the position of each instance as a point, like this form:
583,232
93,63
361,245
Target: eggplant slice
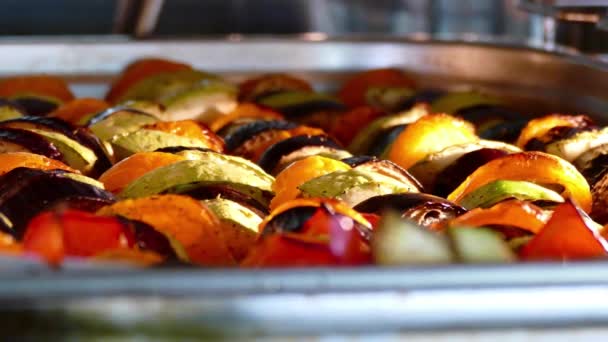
36,106
20,140
25,192
247,131
423,209
272,156
389,169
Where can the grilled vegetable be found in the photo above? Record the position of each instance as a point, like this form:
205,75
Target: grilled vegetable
283,153
353,186
543,130
430,134
186,220
537,167
373,136
239,224
500,190
55,235
20,140
429,170
118,121
311,232
140,70
287,181
26,192
354,91
512,214
256,88
422,209
313,109
211,168
566,236
400,242
126,171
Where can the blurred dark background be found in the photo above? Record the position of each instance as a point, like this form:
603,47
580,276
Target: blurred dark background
193,17
545,21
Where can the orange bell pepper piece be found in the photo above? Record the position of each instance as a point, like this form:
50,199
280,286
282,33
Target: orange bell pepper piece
183,218
287,181
515,213
13,160
42,85
116,178
77,109
430,134
537,167
565,236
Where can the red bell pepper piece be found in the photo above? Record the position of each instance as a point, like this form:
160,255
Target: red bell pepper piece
566,236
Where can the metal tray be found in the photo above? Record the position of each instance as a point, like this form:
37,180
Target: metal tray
120,301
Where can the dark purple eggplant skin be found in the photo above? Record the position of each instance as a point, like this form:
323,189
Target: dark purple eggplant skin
506,131
4,102
178,149
390,169
402,202
83,203
36,106
148,238
53,124
423,96
273,154
211,191
289,221
357,160
31,141
423,209
25,192
452,176
384,139
294,219
247,131
111,111
84,136
303,109
482,113
597,169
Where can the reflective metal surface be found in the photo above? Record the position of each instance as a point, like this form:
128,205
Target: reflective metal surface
220,303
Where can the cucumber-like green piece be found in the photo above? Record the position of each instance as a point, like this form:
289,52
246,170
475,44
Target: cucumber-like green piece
353,186
165,85
480,245
489,194
121,123
211,168
452,102
400,242
84,179
75,154
148,140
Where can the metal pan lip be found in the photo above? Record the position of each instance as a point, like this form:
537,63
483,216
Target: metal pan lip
417,38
